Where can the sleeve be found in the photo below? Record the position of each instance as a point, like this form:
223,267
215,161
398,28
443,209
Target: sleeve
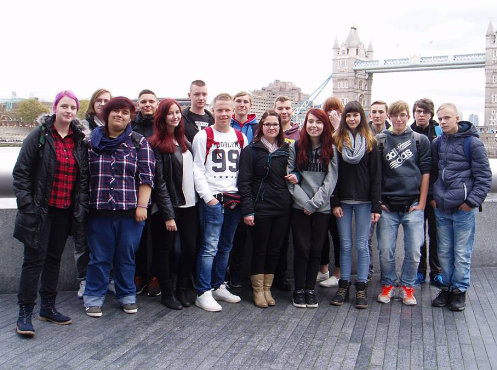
160,194
245,176
322,195
199,171
295,190
23,171
375,178
481,173
84,184
434,164
425,155
146,163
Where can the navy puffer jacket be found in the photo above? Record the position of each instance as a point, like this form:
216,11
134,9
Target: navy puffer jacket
457,177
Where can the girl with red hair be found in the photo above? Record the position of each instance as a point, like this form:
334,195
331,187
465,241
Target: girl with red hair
174,213
312,174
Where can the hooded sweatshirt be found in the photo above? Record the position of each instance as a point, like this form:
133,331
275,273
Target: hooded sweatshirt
249,127
402,165
316,184
458,179
293,133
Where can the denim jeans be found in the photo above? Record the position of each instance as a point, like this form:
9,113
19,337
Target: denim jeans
218,226
387,229
362,225
456,235
113,241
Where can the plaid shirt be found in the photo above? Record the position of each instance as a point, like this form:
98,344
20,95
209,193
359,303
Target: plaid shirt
115,178
66,170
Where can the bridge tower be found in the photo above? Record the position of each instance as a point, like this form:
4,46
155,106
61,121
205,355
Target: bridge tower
491,77
348,84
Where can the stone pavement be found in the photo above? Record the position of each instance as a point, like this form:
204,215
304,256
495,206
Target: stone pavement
391,336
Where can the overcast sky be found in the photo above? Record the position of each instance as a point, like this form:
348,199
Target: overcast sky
125,46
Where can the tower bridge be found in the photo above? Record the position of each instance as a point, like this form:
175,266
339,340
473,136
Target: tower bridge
354,67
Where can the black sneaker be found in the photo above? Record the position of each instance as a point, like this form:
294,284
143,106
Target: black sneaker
299,298
311,299
442,299
457,300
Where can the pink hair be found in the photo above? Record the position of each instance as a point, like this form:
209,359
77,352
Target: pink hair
60,95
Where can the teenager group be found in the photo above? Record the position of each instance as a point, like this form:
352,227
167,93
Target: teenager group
155,199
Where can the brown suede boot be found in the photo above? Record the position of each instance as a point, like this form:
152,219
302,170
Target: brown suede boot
257,281
268,282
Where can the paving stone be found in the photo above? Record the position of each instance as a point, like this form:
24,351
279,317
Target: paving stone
387,336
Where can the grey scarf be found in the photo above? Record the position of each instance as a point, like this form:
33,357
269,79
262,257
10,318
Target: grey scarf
354,155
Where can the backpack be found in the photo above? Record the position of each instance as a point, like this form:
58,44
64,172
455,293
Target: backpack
210,140
467,147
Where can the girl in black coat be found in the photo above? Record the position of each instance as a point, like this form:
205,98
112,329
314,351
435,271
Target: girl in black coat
51,187
265,202
174,212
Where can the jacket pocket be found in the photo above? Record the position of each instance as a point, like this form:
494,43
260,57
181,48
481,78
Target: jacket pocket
26,227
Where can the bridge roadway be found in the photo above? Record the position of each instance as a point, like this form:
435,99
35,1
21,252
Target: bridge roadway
392,336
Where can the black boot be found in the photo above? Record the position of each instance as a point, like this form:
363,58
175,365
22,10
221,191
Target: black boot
457,300
167,298
48,312
24,325
361,295
442,299
342,294
182,295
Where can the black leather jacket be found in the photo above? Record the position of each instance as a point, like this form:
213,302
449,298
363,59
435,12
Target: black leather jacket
168,186
33,176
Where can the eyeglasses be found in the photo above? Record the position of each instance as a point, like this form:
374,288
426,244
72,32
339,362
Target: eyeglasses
421,111
271,125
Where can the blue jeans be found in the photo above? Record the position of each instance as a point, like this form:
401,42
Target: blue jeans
456,235
113,242
218,226
362,224
387,229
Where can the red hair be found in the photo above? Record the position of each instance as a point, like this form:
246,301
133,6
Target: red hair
326,139
162,139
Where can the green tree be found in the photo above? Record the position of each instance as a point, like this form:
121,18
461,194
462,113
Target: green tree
83,106
30,109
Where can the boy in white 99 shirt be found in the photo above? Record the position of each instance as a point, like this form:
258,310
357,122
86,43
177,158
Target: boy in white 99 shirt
216,151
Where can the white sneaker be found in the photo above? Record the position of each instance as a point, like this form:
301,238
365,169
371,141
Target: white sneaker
207,303
328,283
81,290
223,294
322,276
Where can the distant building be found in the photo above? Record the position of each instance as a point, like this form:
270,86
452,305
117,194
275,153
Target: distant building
264,98
474,119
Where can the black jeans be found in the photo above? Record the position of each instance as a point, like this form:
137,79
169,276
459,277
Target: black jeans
431,223
44,259
142,254
309,233
81,250
325,253
164,259
268,234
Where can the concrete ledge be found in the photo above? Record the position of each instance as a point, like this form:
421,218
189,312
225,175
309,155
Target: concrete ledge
11,251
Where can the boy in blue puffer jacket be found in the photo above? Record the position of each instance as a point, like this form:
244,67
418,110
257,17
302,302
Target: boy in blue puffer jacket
461,179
